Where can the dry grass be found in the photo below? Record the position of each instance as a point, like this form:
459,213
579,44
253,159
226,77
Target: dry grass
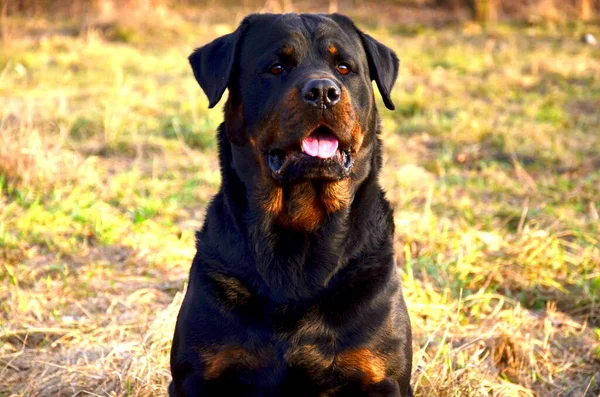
107,161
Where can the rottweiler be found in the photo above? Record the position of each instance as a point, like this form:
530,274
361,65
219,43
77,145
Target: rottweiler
294,289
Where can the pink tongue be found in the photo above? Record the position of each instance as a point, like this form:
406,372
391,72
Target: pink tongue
323,146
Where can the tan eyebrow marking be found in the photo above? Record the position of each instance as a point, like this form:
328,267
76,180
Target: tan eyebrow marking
287,50
332,49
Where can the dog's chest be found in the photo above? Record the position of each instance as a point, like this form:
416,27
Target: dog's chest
291,362
297,348
278,346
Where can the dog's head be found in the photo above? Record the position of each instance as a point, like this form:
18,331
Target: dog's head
300,116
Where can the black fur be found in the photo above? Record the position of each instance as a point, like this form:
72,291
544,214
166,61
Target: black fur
277,305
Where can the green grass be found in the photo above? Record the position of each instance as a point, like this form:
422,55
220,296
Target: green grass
492,162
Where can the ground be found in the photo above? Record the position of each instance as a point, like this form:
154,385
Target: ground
107,162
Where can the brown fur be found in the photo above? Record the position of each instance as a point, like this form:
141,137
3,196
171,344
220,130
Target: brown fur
301,206
372,368
228,357
344,114
304,209
336,195
217,363
274,203
357,137
270,195
365,364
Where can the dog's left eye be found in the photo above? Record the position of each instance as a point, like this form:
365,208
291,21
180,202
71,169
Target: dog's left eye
343,68
276,69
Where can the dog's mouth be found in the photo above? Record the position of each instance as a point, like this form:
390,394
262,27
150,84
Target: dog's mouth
319,156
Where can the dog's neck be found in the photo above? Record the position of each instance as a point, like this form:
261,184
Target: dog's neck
292,265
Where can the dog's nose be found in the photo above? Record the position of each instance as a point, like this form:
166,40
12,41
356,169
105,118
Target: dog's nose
321,93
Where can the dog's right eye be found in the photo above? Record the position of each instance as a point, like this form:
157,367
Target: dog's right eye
276,69
343,68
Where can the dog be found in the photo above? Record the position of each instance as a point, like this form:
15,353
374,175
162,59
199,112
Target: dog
294,290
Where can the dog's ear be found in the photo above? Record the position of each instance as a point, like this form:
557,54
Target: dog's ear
214,62
383,62
383,66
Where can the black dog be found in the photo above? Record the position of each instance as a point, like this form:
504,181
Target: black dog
294,289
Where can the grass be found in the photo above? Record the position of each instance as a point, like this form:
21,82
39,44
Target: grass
107,161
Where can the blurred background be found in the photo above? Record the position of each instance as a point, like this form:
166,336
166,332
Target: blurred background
492,162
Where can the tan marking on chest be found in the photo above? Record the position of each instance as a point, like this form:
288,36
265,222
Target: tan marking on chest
372,367
361,364
231,357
